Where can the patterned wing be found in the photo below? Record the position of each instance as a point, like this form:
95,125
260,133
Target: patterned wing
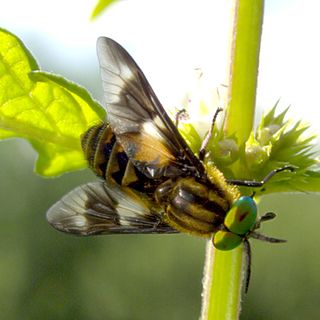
96,208
140,123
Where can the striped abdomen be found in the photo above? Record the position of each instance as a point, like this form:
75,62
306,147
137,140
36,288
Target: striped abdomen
109,161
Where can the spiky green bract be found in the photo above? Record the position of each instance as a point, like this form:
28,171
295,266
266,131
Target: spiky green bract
276,142
47,110
280,142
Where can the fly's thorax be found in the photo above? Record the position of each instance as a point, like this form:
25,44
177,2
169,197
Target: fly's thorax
192,206
219,184
97,144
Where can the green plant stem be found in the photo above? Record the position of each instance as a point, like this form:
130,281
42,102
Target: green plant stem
243,71
223,276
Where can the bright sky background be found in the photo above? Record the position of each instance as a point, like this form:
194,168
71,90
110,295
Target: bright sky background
169,38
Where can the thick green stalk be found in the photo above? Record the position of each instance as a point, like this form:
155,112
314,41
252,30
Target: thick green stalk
223,275
243,71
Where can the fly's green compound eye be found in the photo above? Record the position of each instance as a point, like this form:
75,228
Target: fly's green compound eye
225,240
242,216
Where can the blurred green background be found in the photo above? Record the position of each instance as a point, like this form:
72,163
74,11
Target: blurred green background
45,274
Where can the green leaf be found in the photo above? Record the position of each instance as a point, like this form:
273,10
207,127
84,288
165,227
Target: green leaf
101,6
54,159
49,111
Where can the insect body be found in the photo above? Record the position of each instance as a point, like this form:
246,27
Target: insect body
151,180
186,203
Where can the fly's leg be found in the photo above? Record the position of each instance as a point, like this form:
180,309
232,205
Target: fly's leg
258,184
206,139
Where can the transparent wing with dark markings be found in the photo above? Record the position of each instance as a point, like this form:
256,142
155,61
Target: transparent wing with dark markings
136,116
96,208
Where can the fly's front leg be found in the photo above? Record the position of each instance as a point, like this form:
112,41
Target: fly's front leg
206,139
258,184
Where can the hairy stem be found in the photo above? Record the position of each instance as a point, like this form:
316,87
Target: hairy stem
223,274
